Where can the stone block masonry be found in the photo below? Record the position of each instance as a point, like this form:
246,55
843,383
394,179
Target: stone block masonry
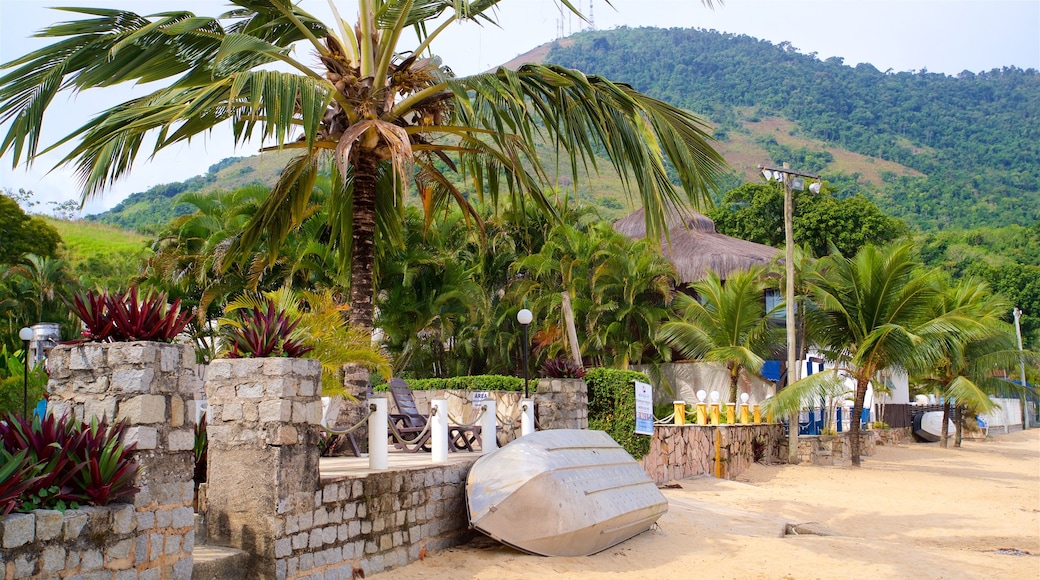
147,384
562,404
681,451
264,495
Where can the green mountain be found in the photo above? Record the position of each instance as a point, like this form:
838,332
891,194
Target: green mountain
968,144
935,150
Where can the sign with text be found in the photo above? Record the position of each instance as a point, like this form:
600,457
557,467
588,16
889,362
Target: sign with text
644,408
479,397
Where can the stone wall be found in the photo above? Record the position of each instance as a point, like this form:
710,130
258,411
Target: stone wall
562,404
681,451
264,495
90,542
148,385
832,449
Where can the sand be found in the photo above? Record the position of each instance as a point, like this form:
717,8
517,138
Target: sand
911,511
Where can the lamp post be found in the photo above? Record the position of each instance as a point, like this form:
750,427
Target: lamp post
791,180
1021,364
524,317
26,335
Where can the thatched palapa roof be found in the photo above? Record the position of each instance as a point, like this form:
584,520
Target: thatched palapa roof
696,247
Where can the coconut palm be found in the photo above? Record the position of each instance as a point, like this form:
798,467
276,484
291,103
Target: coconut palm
869,313
963,372
725,322
48,280
380,109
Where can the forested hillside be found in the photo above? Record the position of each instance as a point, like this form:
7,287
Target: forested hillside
934,150
973,138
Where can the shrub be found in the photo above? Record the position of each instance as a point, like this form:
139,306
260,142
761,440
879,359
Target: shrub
201,451
12,375
468,383
59,463
264,333
562,367
612,407
125,317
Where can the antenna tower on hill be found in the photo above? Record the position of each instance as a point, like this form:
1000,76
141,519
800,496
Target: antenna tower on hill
592,18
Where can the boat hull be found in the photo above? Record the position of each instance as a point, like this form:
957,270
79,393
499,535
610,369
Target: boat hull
928,426
562,492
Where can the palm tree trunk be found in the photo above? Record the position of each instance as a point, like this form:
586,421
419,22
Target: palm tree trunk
857,412
944,440
362,283
959,421
362,260
734,378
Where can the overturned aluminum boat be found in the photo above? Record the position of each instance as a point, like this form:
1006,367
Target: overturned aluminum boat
928,426
562,492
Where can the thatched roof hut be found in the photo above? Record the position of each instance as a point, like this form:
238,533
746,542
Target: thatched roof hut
695,246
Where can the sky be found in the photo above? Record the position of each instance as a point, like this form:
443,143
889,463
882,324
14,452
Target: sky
942,36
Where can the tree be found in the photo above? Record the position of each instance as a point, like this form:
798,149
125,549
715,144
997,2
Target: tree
48,280
963,373
20,233
725,322
754,212
869,313
384,113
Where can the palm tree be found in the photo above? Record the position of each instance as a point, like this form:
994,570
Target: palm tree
963,372
382,111
869,313
49,280
630,288
725,322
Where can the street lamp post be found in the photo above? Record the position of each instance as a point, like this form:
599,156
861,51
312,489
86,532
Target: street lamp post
789,177
26,335
1021,364
524,317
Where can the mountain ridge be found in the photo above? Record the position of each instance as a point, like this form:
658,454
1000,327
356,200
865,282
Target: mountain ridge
922,174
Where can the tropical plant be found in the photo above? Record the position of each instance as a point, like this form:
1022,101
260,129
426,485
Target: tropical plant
562,367
47,280
125,317
263,331
962,375
201,450
107,469
869,313
384,114
12,381
16,478
725,322
313,324
50,442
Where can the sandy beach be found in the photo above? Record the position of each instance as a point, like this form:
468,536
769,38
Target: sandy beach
911,511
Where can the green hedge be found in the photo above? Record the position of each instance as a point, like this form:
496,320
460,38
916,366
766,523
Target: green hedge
612,407
471,383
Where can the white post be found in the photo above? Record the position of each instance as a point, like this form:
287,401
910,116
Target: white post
488,428
526,417
378,453
439,429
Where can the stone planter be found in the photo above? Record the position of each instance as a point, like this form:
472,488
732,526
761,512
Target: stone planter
263,451
562,404
149,385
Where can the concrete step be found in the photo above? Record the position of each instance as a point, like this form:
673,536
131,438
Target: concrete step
218,563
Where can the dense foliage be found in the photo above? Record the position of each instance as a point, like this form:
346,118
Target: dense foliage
21,233
59,462
975,137
469,383
612,407
754,212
